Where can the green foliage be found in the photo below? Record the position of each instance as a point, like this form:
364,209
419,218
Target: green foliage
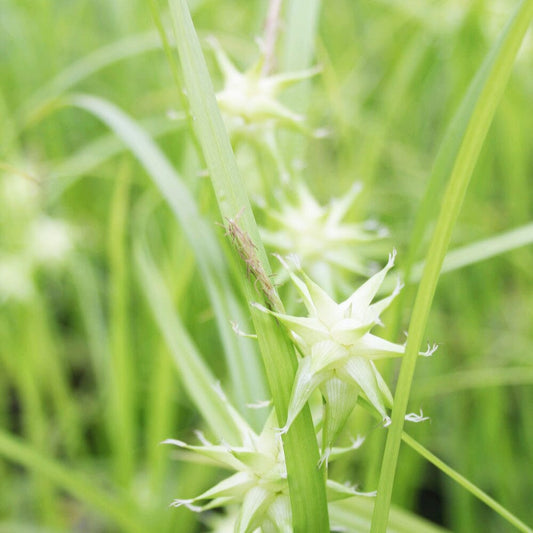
135,245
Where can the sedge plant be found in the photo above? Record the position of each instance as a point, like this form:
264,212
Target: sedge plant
193,252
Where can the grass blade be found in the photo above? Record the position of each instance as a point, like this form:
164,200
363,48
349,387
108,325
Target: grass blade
85,490
475,252
484,249
89,65
195,376
444,160
355,515
299,45
66,172
306,483
246,373
470,487
123,380
503,55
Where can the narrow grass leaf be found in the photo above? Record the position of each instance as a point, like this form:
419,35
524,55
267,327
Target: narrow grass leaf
474,253
306,483
87,66
123,379
194,374
503,56
298,52
446,156
355,514
478,378
63,174
246,374
83,488
469,486
302,18
484,249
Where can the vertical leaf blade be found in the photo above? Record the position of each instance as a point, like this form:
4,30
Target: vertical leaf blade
503,55
306,483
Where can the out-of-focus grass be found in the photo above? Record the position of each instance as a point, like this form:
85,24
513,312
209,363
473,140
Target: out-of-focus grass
393,75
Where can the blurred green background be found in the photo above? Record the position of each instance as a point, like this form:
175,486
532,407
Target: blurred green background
82,359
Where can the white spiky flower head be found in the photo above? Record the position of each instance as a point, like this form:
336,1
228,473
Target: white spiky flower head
249,99
258,492
339,351
50,241
318,235
259,485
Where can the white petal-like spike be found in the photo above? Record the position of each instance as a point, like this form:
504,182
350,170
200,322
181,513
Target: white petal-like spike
338,491
430,351
253,509
375,310
188,504
305,382
414,417
384,389
340,206
373,347
361,371
175,442
237,330
226,66
340,398
325,308
201,437
359,301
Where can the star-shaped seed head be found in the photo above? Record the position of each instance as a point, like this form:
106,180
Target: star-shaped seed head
318,235
339,350
249,99
257,493
259,484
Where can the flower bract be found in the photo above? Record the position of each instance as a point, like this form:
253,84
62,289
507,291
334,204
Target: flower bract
318,234
339,351
258,489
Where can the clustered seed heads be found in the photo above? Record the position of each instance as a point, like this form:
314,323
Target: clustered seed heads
258,488
336,349
338,353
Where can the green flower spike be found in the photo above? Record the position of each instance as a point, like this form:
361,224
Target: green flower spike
317,234
258,489
339,351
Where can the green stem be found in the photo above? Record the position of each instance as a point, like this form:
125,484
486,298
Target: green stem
306,483
470,487
122,412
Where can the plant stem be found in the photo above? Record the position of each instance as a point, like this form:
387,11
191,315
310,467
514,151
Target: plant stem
306,482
